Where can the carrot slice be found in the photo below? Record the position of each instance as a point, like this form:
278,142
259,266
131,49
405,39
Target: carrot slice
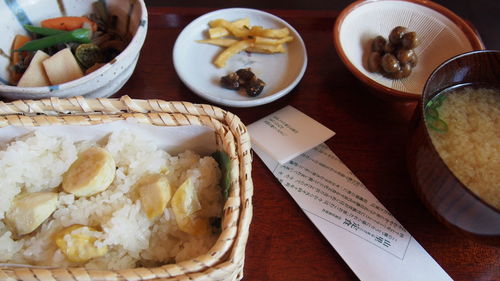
16,57
68,23
19,41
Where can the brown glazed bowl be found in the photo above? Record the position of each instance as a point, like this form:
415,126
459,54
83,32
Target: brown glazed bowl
444,195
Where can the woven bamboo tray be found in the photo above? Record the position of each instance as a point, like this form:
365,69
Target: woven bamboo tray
225,259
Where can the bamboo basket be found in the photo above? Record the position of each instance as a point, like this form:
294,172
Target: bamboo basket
225,259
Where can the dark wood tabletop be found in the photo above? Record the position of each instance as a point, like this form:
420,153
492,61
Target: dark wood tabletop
371,136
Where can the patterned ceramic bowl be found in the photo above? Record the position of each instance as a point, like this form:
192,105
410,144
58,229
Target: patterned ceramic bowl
105,81
442,35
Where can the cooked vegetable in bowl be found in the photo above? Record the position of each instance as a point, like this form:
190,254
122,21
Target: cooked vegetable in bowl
56,50
67,48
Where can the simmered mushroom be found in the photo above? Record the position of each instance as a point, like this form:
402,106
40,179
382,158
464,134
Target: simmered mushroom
403,72
396,34
394,58
404,55
413,60
409,40
378,44
374,62
389,47
390,63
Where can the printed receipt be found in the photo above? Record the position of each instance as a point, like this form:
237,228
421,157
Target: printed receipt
372,242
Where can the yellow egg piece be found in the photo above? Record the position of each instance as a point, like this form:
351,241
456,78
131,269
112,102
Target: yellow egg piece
77,243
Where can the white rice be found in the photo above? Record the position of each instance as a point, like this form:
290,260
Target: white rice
37,161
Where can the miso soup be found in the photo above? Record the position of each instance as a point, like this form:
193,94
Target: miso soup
464,125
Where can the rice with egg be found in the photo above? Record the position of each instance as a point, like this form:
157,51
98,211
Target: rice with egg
37,161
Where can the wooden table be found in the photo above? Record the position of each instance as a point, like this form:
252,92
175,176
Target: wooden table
371,139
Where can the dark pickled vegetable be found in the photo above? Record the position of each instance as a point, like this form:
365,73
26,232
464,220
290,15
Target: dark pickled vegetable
396,34
245,74
230,81
378,44
243,78
254,87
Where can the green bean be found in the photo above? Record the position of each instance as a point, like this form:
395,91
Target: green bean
42,30
81,35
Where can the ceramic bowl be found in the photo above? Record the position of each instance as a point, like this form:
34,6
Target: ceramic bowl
443,193
442,35
101,83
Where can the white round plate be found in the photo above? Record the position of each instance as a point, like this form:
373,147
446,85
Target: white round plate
193,61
